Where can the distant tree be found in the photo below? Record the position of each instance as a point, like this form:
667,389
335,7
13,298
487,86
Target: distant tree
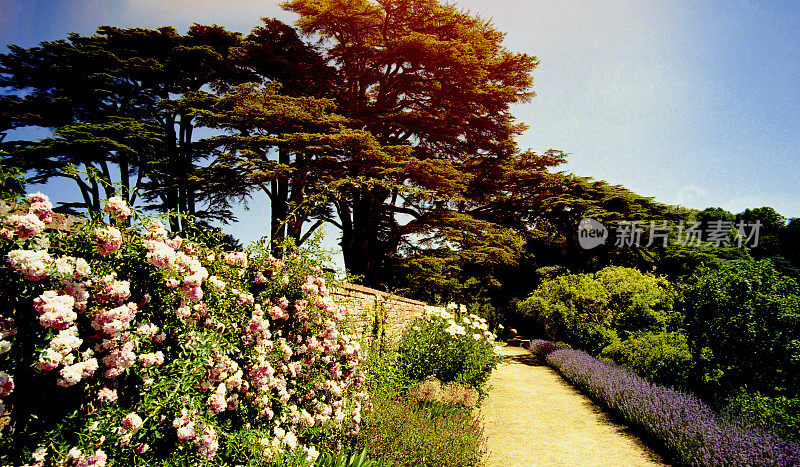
75,87
130,99
122,98
769,231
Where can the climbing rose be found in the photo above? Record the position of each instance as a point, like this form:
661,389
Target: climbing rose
117,208
32,264
27,226
107,395
6,384
55,310
108,239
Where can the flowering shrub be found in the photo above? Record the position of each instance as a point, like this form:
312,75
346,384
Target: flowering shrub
450,345
131,346
690,430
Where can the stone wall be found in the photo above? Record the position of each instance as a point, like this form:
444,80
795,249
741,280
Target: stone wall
59,222
376,313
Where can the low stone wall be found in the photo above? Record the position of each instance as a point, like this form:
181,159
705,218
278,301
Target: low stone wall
375,313
59,222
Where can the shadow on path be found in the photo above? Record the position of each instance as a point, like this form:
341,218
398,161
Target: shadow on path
524,359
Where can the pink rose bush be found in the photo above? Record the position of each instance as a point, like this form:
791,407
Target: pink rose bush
145,347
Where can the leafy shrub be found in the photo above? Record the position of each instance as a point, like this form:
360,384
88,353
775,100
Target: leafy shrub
383,372
405,432
451,346
742,324
129,346
689,430
780,415
663,358
593,311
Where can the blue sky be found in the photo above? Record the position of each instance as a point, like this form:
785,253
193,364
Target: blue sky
693,102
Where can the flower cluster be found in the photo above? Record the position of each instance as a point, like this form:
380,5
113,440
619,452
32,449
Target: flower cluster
6,388
33,264
191,428
461,323
432,390
117,209
79,459
109,239
40,213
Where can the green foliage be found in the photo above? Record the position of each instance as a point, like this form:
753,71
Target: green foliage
404,432
679,261
451,347
346,459
12,182
663,358
384,374
592,311
780,415
742,324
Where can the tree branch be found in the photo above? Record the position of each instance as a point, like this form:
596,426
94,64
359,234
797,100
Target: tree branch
314,227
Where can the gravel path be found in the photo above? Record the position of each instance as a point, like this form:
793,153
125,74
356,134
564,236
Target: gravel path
533,417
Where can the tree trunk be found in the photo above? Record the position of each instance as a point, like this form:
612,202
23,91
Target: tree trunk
364,253
279,208
170,197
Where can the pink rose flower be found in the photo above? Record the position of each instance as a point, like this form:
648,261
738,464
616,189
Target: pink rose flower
109,239
27,226
117,208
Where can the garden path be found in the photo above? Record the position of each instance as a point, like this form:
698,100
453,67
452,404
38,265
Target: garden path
532,416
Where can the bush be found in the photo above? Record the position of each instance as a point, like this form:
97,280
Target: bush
449,346
129,346
383,372
592,311
742,324
663,358
689,430
406,432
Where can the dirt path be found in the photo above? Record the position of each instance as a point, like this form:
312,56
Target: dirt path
533,417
